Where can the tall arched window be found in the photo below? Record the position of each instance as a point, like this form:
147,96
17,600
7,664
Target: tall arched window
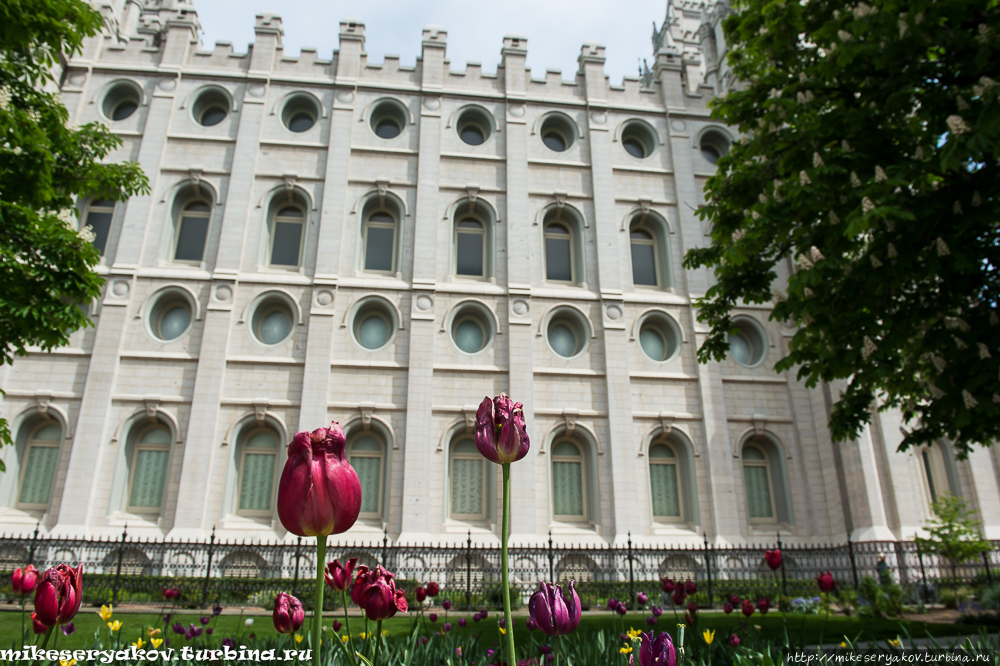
665,482
38,469
258,460
650,257
569,490
380,242
759,484
470,247
559,263
365,454
287,230
937,481
98,216
191,230
148,470
468,481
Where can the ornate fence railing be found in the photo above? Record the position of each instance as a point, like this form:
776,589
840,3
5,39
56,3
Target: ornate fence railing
250,573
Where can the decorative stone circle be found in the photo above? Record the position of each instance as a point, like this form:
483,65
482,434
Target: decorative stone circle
256,91
520,307
599,117
432,103
516,110
119,287
424,302
614,313
223,293
678,125
345,96
324,297
167,84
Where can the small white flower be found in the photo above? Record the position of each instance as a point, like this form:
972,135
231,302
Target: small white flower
939,363
66,217
855,181
17,150
902,27
833,47
984,33
809,96
5,97
833,218
890,225
976,200
942,247
984,351
772,128
919,18
868,349
800,97
817,160
87,234
774,94
996,398
737,235
935,391
808,292
957,125
804,178
845,146
805,262
862,10
762,197
755,215
969,401
816,254
880,176
875,262
959,342
867,205
248,622
843,199
892,251
844,35
962,104
957,208
803,78
919,153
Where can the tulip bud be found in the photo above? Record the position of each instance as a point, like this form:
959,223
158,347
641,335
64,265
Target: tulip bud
747,607
58,595
641,598
727,608
288,614
432,589
501,435
24,580
446,605
825,582
657,651
433,617
773,559
668,585
319,492
338,577
554,612
421,594
690,587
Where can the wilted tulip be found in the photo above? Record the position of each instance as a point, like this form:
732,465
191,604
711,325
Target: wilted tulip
678,596
433,589
171,593
24,580
338,576
554,612
641,598
773,559
319,492
690,587
734,640
668,585
764,605
747,607
727,608
657,651
826,582
288,613
58,595
381,598
501,435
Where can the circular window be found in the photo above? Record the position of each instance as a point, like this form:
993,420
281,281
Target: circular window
388,118
474,126
714,145
374,324
748,343
659,336
170,316
121,101
300,112
273,320
472,328
638,139
211,107
558,132
567,332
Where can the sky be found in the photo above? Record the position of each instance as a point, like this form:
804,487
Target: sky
555,29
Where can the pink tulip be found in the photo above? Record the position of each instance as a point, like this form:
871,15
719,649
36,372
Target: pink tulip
826,582
554,612
338,576
24,580
58,595
773,559
501,435
319,492
381,598
288,614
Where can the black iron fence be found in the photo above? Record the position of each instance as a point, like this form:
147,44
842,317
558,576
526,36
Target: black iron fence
250,573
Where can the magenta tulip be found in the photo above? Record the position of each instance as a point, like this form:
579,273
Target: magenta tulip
433,617
826,582
747,607
690,587
641,598
727,608
24,580
381,599
773,559
447,627
171,593
501,435
764,605
446,605
36,626
288,614
656,611
657,651
692,607
462,622
554,612
319,492
337,625
433,589
734,640
421,594
678,596
650,620
338,576
58,595
668,585
734,599
360,585
530,624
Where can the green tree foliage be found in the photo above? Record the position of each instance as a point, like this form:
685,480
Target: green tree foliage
46,267
869,158
954,534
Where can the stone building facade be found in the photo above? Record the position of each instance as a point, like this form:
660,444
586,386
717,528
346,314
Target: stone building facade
383,245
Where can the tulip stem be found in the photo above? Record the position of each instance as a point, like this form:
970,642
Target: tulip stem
378,639
22,622
347,626
318,603
505,533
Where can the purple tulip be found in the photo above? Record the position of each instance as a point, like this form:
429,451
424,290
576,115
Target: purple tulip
179,628
650,620
624,637
204,620
216,610
380,599
531,625
58,595
288,614
656,611
545,649
166,618
196,631
188,634
503,622
447,627
446,605
338,576
433,617
319,492
734,640
641,598
621,608
462,622
477,617
657,651
555,613
501,435
337,625
612,604
229,643
690,587
68,629
423,641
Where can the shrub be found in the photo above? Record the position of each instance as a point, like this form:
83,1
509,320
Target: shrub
989,598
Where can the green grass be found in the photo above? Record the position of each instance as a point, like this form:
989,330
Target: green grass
800,628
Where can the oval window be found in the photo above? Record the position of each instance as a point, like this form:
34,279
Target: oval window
273,321
373,330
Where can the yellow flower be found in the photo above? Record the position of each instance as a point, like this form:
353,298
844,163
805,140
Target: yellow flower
105,613
157,642
363,635
71,662
709,636
502,630
893,642
139,643
625,650
298,638
633,633
115,626
843,644
344,638
152,633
